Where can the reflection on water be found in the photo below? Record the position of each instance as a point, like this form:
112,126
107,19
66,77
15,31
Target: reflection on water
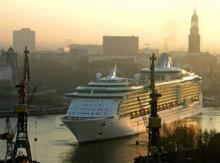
208,119
118,150
56,144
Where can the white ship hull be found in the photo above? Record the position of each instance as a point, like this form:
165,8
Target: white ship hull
87,130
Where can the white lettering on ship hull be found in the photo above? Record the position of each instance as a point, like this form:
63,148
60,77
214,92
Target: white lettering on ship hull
82,107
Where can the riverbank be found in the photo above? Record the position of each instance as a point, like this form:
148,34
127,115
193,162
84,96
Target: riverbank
37,111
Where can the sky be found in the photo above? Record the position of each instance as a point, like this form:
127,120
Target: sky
162,24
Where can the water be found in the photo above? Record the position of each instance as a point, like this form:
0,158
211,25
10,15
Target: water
56,144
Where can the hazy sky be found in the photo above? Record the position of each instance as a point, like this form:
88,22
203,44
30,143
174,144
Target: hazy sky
163,24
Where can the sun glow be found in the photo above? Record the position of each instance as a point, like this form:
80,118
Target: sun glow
157,22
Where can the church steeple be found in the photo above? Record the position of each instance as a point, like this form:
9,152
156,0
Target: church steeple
194,37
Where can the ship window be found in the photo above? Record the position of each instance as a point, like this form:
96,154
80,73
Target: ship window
100,134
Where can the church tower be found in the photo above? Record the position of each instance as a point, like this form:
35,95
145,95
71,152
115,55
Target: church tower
194,37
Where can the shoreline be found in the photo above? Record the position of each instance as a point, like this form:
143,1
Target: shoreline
37,111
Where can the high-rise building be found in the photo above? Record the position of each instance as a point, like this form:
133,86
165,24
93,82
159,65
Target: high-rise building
22,38
120,45
194,37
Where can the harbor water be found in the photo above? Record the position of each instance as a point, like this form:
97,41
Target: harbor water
56,144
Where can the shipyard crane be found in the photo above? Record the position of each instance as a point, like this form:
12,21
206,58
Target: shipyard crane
8,136
154,119
22,141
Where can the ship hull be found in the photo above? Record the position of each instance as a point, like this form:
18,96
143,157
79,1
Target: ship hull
109,128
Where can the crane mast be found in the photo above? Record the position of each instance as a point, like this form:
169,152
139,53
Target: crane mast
154,119
22,141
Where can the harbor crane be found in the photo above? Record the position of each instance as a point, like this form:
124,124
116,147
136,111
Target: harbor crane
8,136
22,141
154,119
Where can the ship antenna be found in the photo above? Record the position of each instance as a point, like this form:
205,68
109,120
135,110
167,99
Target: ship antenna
154,119
115,70
113,73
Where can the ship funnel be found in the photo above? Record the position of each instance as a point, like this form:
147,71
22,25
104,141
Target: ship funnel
164,61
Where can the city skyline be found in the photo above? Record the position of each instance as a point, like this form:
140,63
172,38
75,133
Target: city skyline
162,24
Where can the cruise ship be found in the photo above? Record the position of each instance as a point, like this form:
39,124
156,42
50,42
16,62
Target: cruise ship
113,107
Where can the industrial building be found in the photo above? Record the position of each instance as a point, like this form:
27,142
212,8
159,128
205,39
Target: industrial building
120,45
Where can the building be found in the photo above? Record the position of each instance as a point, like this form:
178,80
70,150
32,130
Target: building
11,57
9,65
194,37
22,38
5,73
149,51
91,48
101,58
178,53
120,45
76,54
79,52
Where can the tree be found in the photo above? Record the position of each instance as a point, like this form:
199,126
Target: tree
182,136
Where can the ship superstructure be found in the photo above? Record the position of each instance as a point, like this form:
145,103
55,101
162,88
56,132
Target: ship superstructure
110,106
100,98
